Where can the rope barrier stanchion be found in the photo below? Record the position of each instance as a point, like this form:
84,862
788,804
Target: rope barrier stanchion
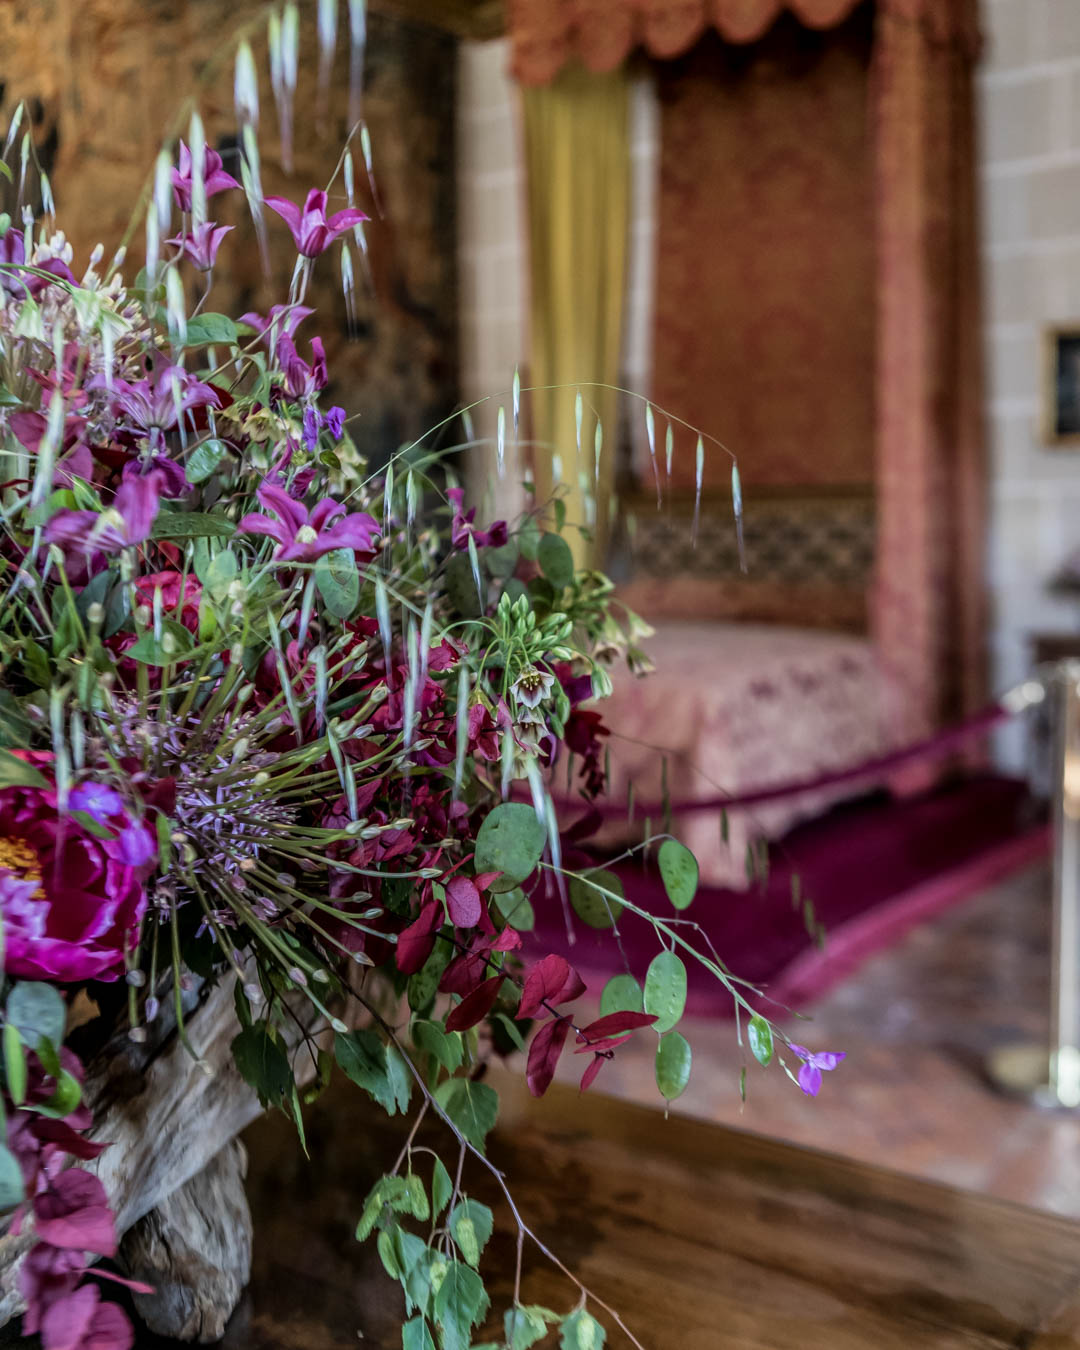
1050,1074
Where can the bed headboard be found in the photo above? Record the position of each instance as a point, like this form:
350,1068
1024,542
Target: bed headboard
809,557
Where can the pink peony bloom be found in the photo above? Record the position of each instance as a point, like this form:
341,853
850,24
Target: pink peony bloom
71,902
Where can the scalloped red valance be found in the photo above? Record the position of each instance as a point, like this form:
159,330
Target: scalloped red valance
546,34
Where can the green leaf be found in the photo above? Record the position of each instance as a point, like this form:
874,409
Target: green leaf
263,1064
416,1336
442,1188
388,1254
672,1065
759,1034
460,1304
446,1046
502,561
472,1107
665,990
622,993
39,1014
221,573
65,1098
363,1057
528,537
204,459
12,1191
15,772
422,986
556,561
581,1331
207,328
338,582
471,1225
517,910
191,525
14,1063
152,652
511,841
597,910
526,1324
386,1191
679,872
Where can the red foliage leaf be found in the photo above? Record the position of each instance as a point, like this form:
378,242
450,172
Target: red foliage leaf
60,1133
463,902
74,1212
544,1054
464,973
475,1006
615,1023
552,980
484,879
591,1070
80,1321
611,1043
414,943
507,941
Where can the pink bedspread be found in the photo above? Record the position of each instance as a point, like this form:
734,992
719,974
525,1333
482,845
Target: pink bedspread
739,707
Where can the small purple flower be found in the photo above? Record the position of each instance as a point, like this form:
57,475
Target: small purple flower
155,404
136,846
462,526
311,230
174,481
98,801
812,1065
312,422
201,245
13,254
126,523
335,422
304,536
282,321
301,380
214,176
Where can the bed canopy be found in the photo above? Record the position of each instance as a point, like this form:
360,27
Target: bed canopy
921,344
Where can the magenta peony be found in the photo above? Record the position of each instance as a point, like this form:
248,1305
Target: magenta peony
72,902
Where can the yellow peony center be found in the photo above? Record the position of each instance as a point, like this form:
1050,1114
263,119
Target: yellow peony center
16,855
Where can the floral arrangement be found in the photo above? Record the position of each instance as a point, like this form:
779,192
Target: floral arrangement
272,719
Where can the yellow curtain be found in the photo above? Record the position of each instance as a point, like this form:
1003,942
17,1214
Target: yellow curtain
577,157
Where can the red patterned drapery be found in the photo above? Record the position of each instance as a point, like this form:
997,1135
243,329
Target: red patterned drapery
546,34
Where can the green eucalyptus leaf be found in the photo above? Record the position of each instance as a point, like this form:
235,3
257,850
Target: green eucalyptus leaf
204,459
12,1189
205,329
673,1059
14,1063
38,1012
622,993
191,525
760,1036
598,911
679,872
665,990
174,645
338,582
511,841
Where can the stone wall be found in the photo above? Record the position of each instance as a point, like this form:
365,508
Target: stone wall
107,80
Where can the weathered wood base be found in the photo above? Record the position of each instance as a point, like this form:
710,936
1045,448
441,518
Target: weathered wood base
195,1250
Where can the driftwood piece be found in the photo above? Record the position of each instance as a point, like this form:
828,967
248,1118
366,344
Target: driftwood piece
194,1248
165,1114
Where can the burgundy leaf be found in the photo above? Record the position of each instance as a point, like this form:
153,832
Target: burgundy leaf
544,1054
414,943
70,1141
552,980
463,902
591,1070
611,1043
617,1022
507,941
483,880
474,1007
464,973
80,1321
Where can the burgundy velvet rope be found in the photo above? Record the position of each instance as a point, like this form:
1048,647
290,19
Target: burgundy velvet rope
931,748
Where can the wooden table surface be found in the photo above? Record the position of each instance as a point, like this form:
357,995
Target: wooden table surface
703,1237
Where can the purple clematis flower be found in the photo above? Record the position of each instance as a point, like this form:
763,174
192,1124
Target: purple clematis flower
311,229
304,536
301,380
282,321
462,525
812,1066
174,481
214,176
13,253
201,245
127,522
314,421
155,404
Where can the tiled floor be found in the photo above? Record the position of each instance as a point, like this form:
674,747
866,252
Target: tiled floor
917,1024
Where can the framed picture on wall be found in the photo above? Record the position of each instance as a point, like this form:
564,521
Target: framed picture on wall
1061,385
